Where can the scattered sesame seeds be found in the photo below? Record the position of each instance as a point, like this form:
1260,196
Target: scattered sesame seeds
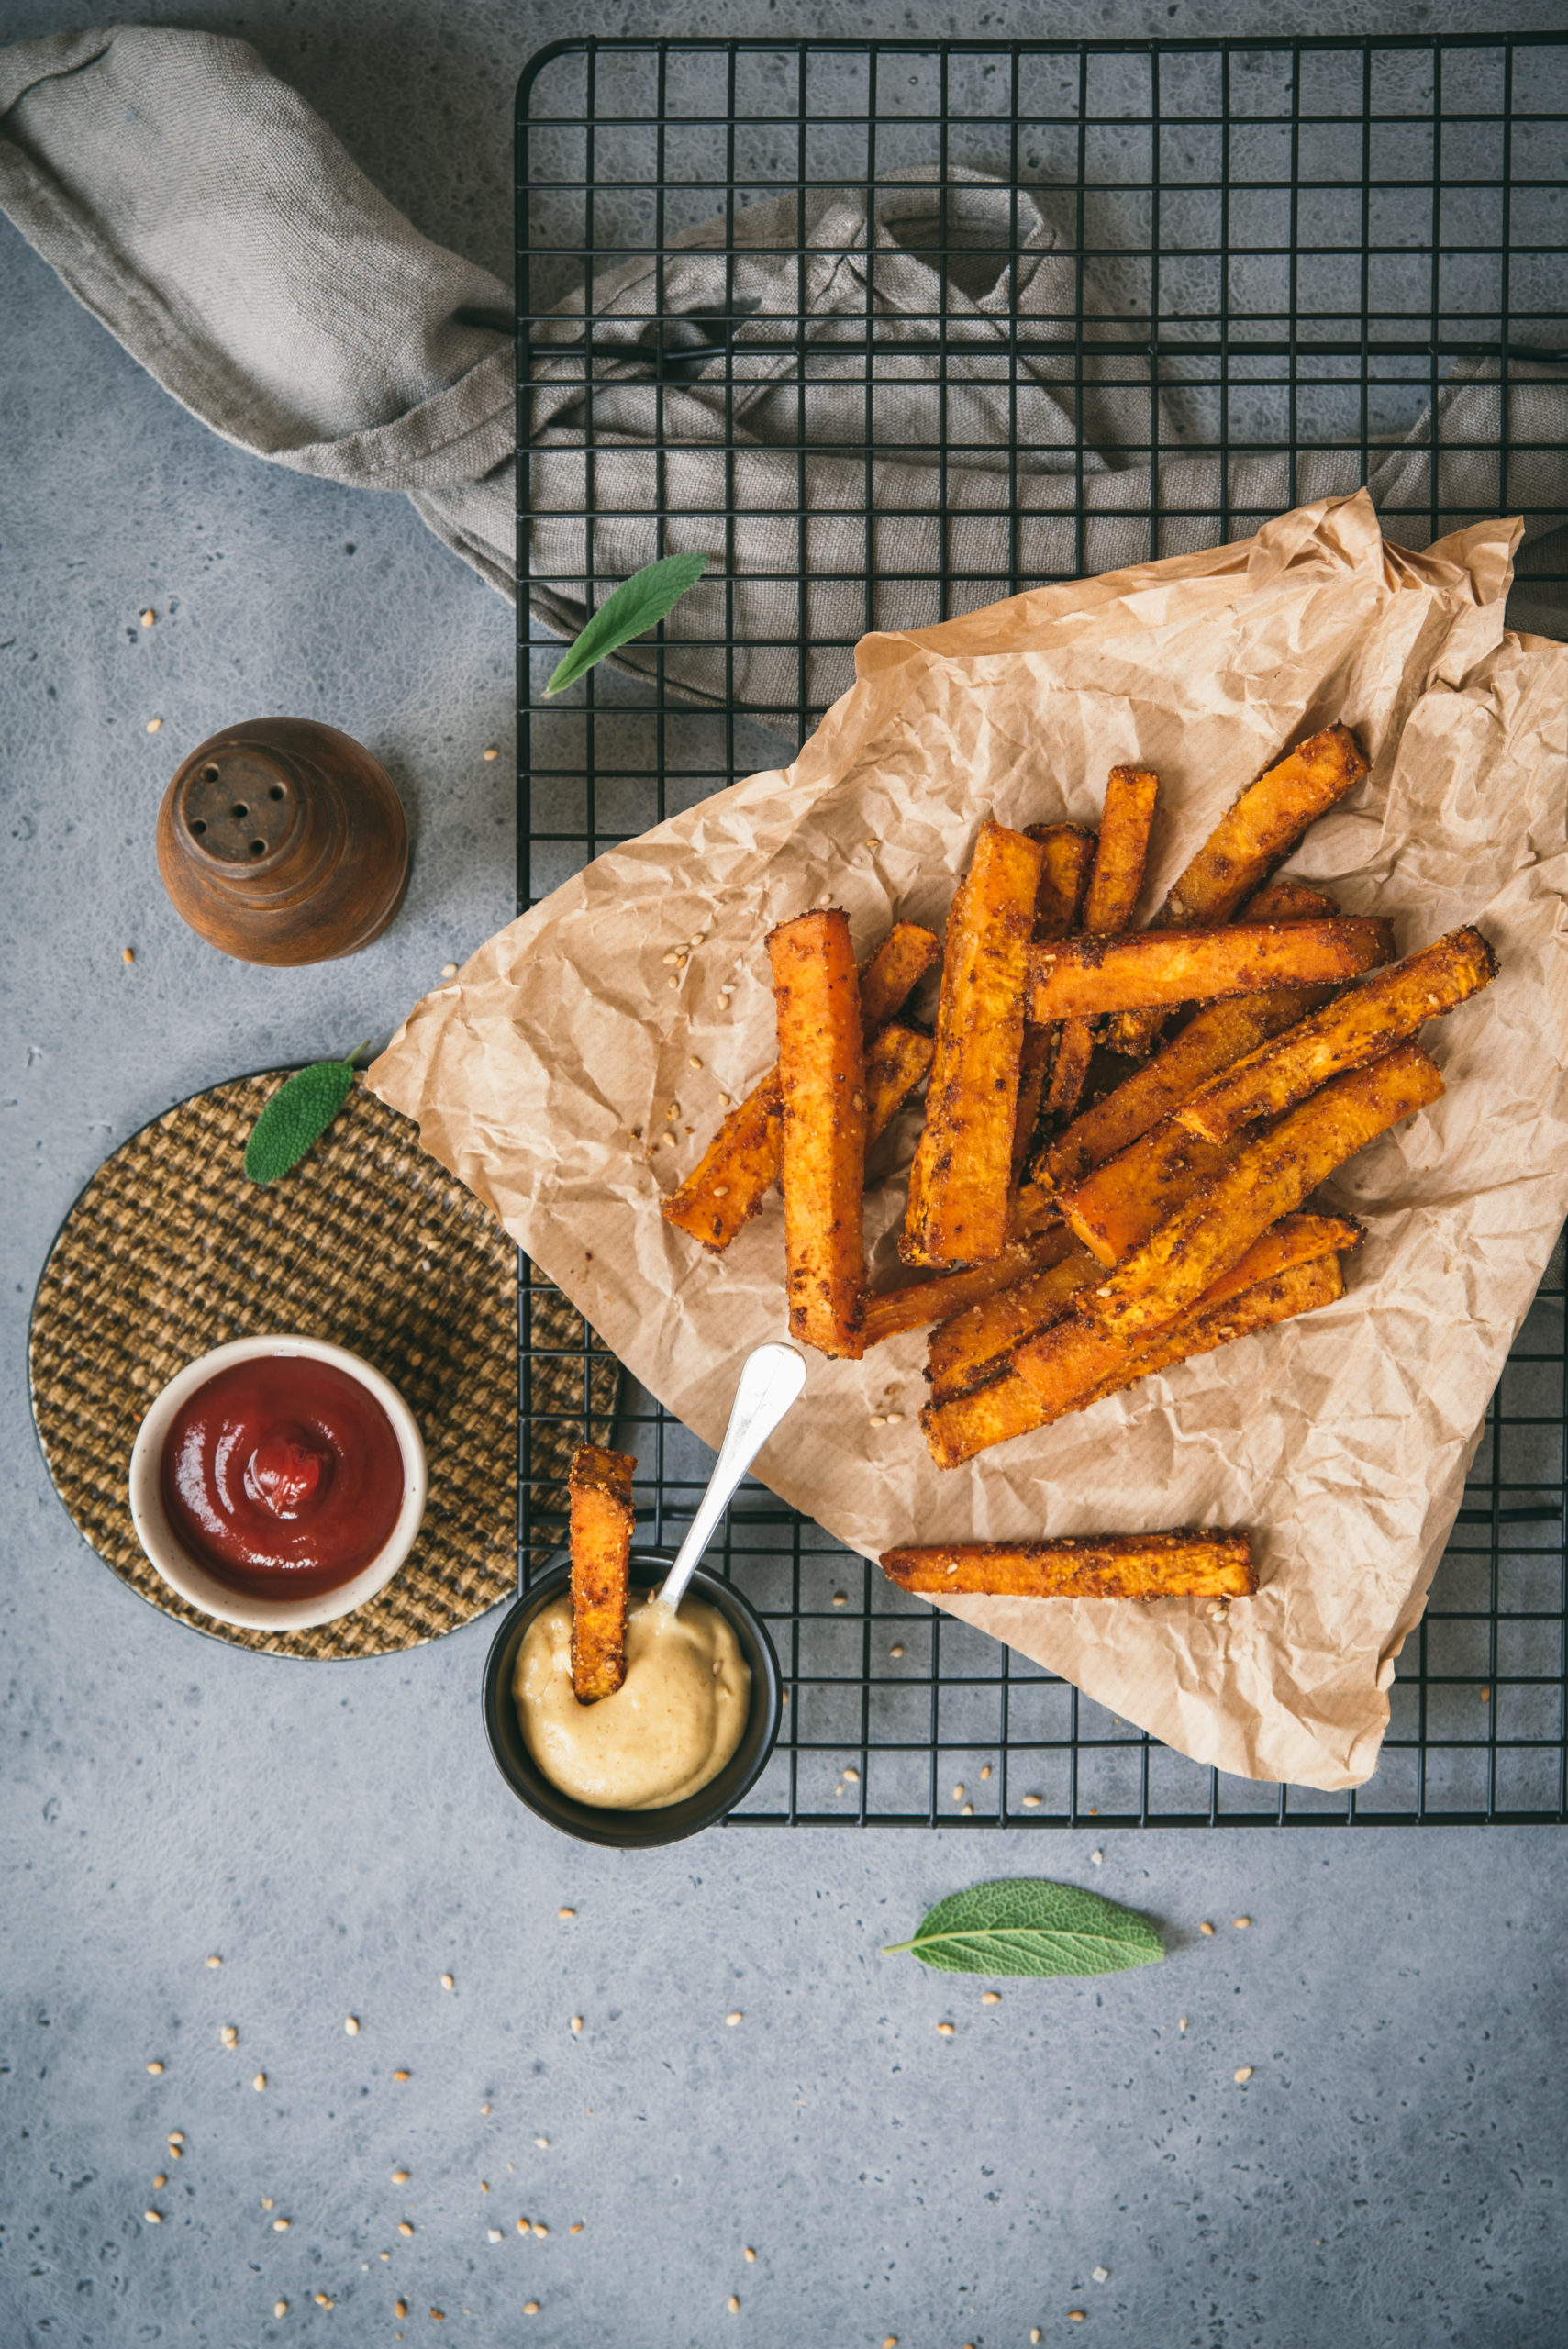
1181,2022
1242,1923
229,2035
128,953
853,1776
990,1998
1485,1696
968,1811
1206,1930
542,2142
448,1983
670,958
749,2256
215,1962
325,2300
259,2082
155,2068
986,1769
490,751
539,2227
153,2218
693,1061
484,2108
576,2227
895,1419
840,1599
149,616
1031,1802
732,2019
399,2308
176,2136
281,2226
566,1912
674,983
522,2226
402,2075
879,1419
721,1190
404,2228
725,1099
530,2308
576,2025
280,2307
897,1649
154,725
733,2305
945,2029
449,970
351,2025
400,2177
958,1794
1243,2075
438,2316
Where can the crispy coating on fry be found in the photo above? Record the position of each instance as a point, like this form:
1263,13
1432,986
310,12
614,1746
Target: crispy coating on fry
1201,1563
1061,1372
1211,1040
1284,899
1166,1275
1120,851
1120,1203
1264,825
822,1089
1034,1069
1355,1028
1031,1208
960,1180
1075,1049
919,1303
1083,975
602,1519
740,1166
965,1346
897,1060
1067,857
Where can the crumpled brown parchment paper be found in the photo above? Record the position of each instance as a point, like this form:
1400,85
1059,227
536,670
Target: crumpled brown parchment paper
1341,1440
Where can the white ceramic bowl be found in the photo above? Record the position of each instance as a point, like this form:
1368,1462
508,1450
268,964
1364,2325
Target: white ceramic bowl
189,1580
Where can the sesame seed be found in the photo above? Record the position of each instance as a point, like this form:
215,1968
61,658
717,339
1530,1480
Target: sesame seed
484,2108
351,2025
1206,1930
266,2201
577,2025
891,2342
1075,2316
669,958
840,1599
945,2029
873,843
155,2069
280,2307
153,2218
281,2226
879,1419
896,1650
1097,1859
700,937
154,725
1181,2022
566,1912
1485,1696
530,2308
401,2076
127,954
490,751
215,1961
449,970
968,1811
721,1190
542,2142
723,1097
1034,2333
732,2019
1242,1923
990,1998
438,2316
176,2136
986,1769
951,1567
324,2301
404,2228
895,1419
958,1794
853,1776
751,2256
1243,2075
674,983
492,2234
447,1982
400,2177
733,2305
399,2308
1031,1802
522,2226
229,2035
1100,2275
693,1061
259,2082
149,616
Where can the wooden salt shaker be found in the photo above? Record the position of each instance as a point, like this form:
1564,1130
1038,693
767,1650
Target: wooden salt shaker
283,840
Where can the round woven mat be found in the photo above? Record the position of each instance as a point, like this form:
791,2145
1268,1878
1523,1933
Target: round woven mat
370,1243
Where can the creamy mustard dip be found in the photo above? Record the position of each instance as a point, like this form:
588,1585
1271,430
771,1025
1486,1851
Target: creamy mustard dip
671,1726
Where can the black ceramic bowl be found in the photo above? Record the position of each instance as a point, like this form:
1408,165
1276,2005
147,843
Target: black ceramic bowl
634,1830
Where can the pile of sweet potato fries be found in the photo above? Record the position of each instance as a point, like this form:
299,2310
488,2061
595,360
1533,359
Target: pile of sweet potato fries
1123,1129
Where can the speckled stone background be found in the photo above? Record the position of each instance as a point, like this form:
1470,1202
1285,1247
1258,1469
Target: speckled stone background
1392,2171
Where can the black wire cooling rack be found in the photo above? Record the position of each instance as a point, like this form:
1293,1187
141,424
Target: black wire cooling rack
1278,256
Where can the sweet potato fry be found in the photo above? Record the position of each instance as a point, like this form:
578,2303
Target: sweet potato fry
1166,1275
965,1346
1204,1563
740,1166
897,1060
1082,975
1249,841
1075,1049
1117,1207
1066,1369
959,1183
1030,1210
1065,866
1211,1040
1287,900
822,1089
602,1519
919,1303
1108,905
1355,1028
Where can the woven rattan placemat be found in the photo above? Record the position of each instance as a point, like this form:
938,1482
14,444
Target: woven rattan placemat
370,1243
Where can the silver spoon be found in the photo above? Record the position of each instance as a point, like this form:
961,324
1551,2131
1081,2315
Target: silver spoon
770,1380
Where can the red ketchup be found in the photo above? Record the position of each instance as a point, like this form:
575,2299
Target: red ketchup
282,1476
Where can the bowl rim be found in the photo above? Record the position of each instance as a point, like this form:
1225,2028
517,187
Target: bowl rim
183,1574
637,1830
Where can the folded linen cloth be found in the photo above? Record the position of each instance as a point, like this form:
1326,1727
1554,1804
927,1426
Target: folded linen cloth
201,209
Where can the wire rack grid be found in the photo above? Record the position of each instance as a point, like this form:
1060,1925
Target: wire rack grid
979,314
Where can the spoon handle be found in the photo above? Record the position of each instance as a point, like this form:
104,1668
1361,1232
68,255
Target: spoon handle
771,1381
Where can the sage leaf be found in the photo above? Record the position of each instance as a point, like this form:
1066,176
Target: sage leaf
639,604
297,1117
1028,1925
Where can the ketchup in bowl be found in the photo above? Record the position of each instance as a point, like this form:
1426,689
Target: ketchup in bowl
282,1476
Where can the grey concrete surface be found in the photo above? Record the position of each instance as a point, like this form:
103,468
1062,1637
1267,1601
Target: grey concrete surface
1392,2170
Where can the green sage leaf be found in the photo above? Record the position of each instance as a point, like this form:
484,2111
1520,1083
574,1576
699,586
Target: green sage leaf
297,1117
1028,1925
639,604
